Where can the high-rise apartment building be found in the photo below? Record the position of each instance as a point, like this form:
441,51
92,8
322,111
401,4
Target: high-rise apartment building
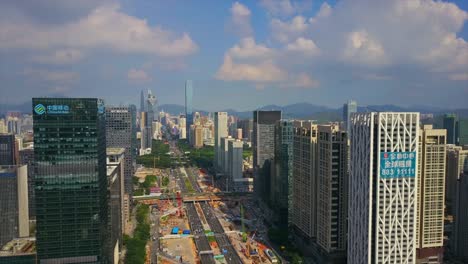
263,148
282,170
8,149
332,190
220,131
383,189
14,216
459,238
431,195
304,195
457,164
121,133
451,125
188,104
349,108
70,180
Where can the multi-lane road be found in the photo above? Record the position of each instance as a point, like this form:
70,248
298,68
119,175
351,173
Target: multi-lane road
230,254
196,226
203,246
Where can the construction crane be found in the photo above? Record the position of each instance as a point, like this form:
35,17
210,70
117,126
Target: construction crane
244,235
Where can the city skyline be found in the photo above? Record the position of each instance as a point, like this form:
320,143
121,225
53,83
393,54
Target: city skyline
252,48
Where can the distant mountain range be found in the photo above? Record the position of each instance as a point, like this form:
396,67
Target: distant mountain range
317,112
298,110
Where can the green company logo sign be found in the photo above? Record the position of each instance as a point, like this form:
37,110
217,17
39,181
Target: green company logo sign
40,109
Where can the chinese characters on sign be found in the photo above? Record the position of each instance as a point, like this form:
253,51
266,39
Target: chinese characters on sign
397,164
58,109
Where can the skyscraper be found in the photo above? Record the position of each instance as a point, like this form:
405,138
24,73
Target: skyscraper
152,106
431,194
27,158
247,127
120,133
235,162
188,104
71,181
8,149
142,101
117,217
462,132
182,127
450,124
348,108
383,188
460,232
14,216
332,190
457,164
282,170
304,193
224,148
220,131
146,128
263,147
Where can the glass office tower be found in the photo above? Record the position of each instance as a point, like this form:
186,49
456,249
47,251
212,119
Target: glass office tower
188,105
71,181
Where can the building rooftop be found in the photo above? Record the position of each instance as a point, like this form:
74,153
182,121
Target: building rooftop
19,246
115,151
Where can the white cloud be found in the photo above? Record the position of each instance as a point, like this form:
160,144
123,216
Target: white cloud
303,80
362,48
52,76
59,89
104,27
419,34
265,71
376,77
303,46
138,76
286,31
249,49
278,7
459,77
325,11
240,20
62,56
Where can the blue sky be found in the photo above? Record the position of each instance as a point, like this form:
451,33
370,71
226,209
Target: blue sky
239,54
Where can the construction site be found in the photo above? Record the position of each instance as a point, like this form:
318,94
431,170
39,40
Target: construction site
194,222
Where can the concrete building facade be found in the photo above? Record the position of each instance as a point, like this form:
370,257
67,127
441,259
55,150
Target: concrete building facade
304,198
382,208
263,148
220,131
14,216
282,172
121,133
332,189
431,195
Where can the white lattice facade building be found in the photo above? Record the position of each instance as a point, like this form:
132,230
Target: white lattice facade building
382,202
